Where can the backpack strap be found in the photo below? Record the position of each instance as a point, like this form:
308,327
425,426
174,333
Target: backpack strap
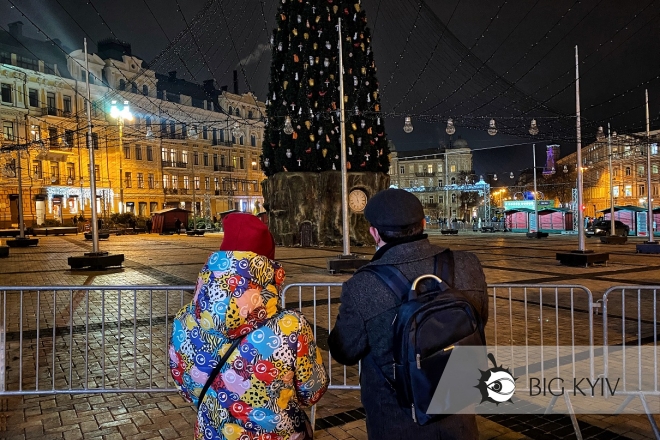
217,369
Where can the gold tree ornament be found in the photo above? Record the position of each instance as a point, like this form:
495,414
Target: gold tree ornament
295,32
308,124
285,84
311,82
324,151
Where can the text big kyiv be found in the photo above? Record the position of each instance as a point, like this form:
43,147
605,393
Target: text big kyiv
584,386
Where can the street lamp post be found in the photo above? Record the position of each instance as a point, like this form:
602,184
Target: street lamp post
94,259
121,116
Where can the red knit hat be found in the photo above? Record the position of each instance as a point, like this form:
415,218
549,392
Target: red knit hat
245,232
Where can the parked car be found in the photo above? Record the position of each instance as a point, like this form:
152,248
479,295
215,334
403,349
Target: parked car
602,227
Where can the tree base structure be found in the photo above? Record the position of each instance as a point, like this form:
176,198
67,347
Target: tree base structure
96,261
449,231
305,209
22,242
343,263
648,248
582,258
538,234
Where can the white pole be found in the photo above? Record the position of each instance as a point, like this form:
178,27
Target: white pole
344,172
536,203
609,153
580,214
649,201
19,175
92,173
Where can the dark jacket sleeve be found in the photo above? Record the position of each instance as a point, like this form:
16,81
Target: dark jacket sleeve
348,340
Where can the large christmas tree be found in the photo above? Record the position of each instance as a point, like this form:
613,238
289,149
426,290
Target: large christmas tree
303,107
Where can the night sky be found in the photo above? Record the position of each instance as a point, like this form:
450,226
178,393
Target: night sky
471,60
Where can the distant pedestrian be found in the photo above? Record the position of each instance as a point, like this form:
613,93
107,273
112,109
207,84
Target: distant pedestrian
177,225
99,224
131,223
75,221
148,224
215,220
81,218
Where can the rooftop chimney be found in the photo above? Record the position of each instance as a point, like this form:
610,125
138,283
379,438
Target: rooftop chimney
172,75
16,29
236,82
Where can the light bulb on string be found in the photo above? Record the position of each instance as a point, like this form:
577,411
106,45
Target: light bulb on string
407,125
553,171
495,177
492,128
533,128
600,134
565,169
450,127
288,128
511,176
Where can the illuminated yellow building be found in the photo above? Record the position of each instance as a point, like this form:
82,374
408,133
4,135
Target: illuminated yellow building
187,145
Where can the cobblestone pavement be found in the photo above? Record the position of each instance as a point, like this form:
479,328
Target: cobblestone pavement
61,348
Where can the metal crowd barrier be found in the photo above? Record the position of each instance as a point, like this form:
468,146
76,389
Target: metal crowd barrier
630,331
110,339
87,339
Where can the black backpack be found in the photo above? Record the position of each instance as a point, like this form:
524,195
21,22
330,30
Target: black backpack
427,328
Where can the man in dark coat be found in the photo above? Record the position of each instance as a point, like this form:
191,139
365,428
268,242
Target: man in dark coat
363,331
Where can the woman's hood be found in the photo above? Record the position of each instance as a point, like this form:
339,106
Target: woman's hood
237,292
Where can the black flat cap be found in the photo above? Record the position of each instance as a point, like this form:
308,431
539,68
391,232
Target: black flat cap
393,210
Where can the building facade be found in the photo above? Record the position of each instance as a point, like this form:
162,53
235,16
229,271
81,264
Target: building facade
430,175
629,172
186,145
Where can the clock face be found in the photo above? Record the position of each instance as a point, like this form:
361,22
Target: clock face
357,200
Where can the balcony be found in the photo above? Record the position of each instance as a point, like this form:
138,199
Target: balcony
171,191
179,136
425,174
228,169
52,111
168,164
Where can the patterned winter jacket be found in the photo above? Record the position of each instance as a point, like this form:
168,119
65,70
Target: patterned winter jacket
276,369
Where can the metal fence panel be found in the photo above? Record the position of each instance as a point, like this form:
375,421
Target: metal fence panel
88,339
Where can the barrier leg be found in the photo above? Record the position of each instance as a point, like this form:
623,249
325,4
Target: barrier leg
576,426
313,421
551,405
624,404
654,425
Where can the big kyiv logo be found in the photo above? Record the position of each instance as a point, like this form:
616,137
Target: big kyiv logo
496,384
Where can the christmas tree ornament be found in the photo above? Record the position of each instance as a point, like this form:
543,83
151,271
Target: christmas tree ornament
356,111
311,82
317,19
285,84
295,135
288,128
299,161
327,45
312,137
296,78
363,164
378,121
326,62
355,81
352,138
533,128
337,156
355,36
315,46
272,40
309,150
324,152
307,23
348,165
318,145
283,17
284,168
266,162
320,131
311,60
283,68
279,47
363,123
300,46
350,151
354,126
333,167
363,71
306,36
335,8
359,142
308,124
299,18
295,58
369,130
288,153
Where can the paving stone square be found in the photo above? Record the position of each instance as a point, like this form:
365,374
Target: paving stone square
89,338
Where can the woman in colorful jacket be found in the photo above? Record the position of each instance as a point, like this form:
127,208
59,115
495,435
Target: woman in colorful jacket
276,369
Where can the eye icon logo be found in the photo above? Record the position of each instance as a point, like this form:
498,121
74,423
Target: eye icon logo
496,384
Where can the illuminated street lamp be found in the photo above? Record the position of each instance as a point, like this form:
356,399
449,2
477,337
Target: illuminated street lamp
121,115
